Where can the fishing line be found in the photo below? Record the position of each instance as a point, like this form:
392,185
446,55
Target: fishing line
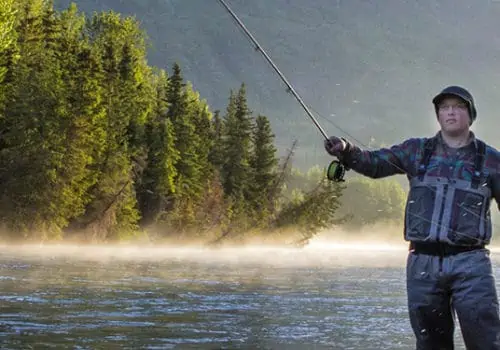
336,169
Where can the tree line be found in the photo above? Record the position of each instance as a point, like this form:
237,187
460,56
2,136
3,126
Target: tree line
97,145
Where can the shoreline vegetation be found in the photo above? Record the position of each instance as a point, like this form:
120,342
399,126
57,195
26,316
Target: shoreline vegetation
96,146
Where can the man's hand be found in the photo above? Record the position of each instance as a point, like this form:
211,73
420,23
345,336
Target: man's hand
335,146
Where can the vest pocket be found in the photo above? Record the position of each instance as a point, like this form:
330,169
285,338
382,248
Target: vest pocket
465,221
419,210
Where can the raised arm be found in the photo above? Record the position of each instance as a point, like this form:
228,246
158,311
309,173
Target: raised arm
398,159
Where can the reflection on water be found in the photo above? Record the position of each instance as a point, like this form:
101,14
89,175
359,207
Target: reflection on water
321,297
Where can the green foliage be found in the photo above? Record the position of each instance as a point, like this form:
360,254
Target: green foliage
157,185
7,34
99,146
50,135
263,164
216,152
312,211
182,112
191,171
125,83
7,20
126,217
236,146
368,201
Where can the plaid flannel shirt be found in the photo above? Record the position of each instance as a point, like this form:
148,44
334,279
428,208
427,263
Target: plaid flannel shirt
404,158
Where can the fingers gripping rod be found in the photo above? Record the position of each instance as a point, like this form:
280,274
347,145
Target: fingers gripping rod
266,56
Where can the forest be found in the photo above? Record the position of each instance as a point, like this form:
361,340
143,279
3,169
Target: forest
99,146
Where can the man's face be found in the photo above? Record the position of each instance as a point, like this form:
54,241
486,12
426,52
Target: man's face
453,116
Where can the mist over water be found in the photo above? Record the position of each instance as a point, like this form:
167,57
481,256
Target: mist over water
317,253
331,295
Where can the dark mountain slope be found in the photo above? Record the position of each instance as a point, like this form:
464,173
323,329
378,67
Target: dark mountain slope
371,67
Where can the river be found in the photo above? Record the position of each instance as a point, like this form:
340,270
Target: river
324,296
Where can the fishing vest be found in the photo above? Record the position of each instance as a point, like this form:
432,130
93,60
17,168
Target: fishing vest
452,211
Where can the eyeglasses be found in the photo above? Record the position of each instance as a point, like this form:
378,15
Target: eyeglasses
455,107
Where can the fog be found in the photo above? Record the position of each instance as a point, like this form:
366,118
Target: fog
330,249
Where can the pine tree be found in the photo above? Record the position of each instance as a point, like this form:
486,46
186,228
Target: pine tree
85,127
216,153
157,186
175,92
312,211
7,35
125,82
191,121
182,111
33,126
237,143
204,131
187,143
263,163
49,151
235,171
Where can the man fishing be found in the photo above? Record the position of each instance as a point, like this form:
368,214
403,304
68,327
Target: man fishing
453,176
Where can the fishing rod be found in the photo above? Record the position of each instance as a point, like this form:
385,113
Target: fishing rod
266,56
336,170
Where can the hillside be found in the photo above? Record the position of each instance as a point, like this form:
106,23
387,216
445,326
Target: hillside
368,67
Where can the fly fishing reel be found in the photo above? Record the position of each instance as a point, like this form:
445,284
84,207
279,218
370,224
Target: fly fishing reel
336,171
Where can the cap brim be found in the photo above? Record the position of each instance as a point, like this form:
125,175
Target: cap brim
442,96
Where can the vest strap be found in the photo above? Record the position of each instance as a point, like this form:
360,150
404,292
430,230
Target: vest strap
429,146
478,163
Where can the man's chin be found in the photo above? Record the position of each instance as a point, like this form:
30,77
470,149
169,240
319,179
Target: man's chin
454,131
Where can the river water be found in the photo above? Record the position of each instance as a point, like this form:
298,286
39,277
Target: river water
321,297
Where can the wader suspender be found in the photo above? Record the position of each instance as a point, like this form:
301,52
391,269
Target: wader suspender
478,163
429,146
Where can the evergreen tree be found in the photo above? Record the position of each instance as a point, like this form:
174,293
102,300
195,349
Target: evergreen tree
33,126
91,139
85,127
7,35
263,164
168,159
188,143
237,147
48,151
119,43
313,211
216,153
182,112
236,171
191,124
157,187
175,92
204,131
